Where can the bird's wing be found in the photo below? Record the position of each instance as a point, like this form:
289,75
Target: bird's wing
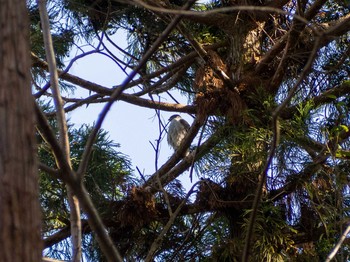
185,124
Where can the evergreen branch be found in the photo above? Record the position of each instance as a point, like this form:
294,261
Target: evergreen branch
78,188
274,144
158,241
301,177
326,97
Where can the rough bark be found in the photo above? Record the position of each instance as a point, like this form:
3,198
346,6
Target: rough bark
19,206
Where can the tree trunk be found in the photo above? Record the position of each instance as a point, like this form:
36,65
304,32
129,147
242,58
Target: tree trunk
19,206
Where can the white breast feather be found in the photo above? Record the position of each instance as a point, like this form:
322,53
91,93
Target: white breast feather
177,133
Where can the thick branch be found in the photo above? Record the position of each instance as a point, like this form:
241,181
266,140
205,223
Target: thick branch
168,172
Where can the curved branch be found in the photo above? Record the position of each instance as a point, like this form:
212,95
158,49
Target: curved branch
168,172
104,91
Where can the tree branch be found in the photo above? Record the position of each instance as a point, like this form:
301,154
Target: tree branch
272,150
75,184
158,241
63,130
326,97
116,93
338,245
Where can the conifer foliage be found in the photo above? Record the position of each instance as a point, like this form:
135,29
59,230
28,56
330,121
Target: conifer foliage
267,83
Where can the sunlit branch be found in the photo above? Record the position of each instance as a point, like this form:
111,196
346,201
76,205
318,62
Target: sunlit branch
338,245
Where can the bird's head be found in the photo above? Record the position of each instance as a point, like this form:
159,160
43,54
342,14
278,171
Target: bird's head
173,116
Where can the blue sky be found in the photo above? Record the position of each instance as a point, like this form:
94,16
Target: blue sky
132,126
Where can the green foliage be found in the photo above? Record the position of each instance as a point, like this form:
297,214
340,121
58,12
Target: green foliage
307,200
62,35
272,235
106,164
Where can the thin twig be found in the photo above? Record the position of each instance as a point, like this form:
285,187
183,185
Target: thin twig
157,242
273,147
161,128
195,150
119,91
218,10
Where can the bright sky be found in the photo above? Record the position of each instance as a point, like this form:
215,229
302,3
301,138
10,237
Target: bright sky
131,126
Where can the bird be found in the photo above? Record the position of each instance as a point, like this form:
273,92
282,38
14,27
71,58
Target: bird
177,131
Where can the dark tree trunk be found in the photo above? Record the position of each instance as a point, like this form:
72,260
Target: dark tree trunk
19,206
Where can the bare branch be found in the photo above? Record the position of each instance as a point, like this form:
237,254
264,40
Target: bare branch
118,91
63,130
338,245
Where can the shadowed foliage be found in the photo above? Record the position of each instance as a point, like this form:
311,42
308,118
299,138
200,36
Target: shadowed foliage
260,77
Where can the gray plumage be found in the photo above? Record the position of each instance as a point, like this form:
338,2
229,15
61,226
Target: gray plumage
177,131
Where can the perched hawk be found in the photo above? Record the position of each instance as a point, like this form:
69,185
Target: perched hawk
177,131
